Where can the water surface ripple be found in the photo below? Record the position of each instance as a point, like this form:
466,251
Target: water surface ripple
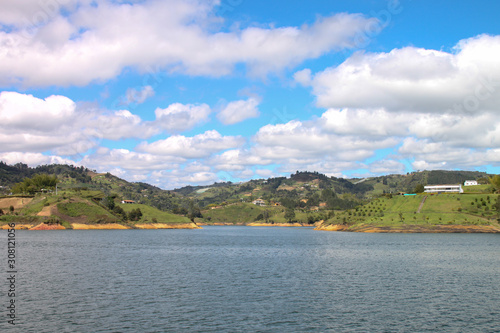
255,279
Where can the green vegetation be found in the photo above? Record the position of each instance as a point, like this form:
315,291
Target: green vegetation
93,213
495,181
304,197
150,214
246,213
442,209
39,182
240,213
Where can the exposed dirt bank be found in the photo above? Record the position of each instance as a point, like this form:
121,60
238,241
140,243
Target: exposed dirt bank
259,224
19,226
16,202
414,229
81,226
167,226
221,224
51,226
46,211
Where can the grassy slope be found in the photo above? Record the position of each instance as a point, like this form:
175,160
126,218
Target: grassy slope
72,206
149,213
237,213
454,209
80,206
247,213
92,211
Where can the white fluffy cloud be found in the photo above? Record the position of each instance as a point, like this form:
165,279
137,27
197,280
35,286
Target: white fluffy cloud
415,79
33,158
181,36
483,129
439,109
179,117
199,146
20,111
237,160
30,124
298,140
56,123
237,111
387,167
134,96
129,160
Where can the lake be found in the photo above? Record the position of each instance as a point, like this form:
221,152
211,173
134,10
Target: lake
252,279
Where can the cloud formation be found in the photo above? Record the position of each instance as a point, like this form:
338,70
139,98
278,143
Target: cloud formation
134,96
414,79
179,117
199,146
237,111
377,112
177,36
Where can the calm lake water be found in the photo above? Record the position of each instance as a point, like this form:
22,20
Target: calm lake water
251,279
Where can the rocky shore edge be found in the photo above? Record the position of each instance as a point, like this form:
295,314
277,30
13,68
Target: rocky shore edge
104,226
412,228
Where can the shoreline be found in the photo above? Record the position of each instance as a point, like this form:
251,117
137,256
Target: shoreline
319,227
412,229
106,226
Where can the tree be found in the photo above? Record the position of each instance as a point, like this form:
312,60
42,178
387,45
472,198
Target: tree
11,209
108,202
119,211
419,188
135,214
289,214
193,211
495,181
496,206
266,215
34,184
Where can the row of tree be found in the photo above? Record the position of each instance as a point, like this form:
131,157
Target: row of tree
35,184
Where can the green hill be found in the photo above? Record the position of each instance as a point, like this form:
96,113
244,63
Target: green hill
305,197
423,211
153,215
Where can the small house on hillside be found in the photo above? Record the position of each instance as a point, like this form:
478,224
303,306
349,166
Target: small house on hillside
128,202
259,202
443,189
470,183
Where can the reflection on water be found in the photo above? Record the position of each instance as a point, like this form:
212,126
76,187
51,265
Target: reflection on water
250,279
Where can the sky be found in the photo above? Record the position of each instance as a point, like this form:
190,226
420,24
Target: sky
192,92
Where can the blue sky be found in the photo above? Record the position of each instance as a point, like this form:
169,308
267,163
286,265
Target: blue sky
192,92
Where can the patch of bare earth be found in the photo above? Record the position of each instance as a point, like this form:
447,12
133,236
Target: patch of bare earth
415,229
15,202
46,211
19,226
48,226
259,224
83,226
167,226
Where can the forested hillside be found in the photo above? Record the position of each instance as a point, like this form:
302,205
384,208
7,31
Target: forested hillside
302,190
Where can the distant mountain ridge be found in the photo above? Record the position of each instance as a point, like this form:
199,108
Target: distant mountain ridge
304,198
300,186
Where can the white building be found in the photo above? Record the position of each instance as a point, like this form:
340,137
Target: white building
259,202
443,189
470,183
